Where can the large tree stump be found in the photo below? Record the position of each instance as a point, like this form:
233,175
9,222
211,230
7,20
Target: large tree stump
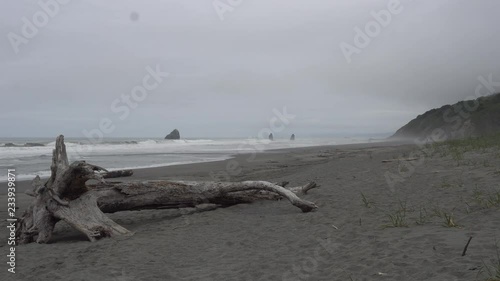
67,196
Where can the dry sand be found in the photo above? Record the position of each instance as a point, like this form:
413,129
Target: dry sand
272,240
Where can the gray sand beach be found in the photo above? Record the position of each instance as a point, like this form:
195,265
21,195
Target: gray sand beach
436,204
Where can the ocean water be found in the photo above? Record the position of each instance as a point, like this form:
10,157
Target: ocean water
33,156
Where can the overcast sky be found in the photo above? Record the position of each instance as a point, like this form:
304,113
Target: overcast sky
227,76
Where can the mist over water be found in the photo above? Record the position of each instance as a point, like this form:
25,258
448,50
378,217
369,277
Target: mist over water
33,156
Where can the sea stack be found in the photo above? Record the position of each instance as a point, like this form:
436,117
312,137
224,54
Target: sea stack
292,137
271,137
174,135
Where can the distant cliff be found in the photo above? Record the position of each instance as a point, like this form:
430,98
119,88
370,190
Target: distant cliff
463,119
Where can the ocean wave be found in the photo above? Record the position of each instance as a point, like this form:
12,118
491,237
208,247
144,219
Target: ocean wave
28,144
80,150
147,142
67,143
46,173
199,140
21,177
108,143
115,142
188,141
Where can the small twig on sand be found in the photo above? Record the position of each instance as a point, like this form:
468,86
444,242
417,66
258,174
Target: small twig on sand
466,246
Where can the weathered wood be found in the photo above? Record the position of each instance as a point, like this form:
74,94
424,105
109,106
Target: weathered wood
118,174
66,196
84,215
114,197
36,184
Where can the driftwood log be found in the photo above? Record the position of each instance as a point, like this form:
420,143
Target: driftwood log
118,174
68,197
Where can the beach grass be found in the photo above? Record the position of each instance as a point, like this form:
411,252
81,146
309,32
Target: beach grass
492,270
457,147
365,200
449,220
398,218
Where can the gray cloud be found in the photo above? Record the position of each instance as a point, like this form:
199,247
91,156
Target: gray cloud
227,76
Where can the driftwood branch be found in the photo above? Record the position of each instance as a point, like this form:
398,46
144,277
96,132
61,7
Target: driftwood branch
118,174
66,196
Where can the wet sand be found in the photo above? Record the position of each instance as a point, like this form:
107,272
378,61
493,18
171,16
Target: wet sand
347,237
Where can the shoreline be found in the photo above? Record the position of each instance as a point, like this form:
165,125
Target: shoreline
167,171
32,161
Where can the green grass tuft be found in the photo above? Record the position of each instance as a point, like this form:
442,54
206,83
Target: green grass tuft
492,270
365,200
449,221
